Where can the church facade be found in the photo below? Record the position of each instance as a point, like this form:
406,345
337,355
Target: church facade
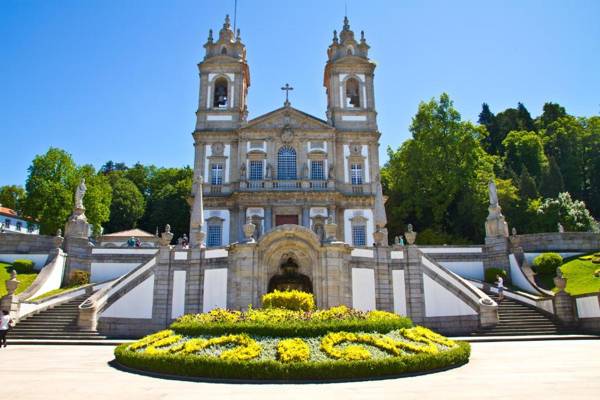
286,166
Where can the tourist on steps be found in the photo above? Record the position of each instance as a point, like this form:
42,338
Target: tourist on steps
500,286
5,324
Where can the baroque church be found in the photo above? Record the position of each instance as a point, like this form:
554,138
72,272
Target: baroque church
287,167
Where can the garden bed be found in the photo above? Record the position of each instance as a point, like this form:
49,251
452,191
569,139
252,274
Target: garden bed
333,355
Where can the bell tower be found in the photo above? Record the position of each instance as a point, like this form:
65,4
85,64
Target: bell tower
224,82
348,79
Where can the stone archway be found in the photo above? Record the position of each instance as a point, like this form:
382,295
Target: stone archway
290,279
302,247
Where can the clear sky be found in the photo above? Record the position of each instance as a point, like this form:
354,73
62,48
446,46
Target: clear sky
117,79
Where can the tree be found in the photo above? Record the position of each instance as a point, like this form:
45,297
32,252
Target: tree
527,187
97,199
170,206
127,206
438,179
572,214
552,180
524,149
491,142
111,166
551,113
525,121
12,196
50,186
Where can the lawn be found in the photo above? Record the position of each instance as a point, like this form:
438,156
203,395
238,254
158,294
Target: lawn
25,279
580,276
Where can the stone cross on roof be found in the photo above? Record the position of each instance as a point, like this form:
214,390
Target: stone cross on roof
287,89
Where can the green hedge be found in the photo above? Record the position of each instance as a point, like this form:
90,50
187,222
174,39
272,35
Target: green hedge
208,367
546,263
286,323
490,274
23,266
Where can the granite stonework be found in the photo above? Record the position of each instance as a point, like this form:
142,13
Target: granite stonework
11,243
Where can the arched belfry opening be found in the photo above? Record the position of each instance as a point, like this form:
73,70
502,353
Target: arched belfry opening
352,93
220,96
289,278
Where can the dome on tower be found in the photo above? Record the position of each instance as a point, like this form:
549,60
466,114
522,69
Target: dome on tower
346,45
227,44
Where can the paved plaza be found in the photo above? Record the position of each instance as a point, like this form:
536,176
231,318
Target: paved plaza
518,370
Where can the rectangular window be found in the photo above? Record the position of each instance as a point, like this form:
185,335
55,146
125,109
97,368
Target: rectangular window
214,236
216,174
7,223
359,235
256,171
356,174
19,225
317,172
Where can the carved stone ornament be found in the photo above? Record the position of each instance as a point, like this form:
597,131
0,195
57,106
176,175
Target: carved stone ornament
217,149
287,135
356,149
249,229
410,235
166,236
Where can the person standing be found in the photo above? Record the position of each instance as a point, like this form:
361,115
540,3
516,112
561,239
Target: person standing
5,324
500,286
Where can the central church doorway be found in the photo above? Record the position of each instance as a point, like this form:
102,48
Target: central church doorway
286,219
290,279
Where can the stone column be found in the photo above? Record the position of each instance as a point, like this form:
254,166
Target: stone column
305,216
564,305
415,293
383,280
241,221
268,219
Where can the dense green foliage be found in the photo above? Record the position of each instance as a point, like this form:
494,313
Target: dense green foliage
127,205
281,322
290,300
244,357
547,263
12,196
491,273
26,279
78,277
547,171
23,266
580,273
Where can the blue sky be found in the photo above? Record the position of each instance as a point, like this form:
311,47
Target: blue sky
117,79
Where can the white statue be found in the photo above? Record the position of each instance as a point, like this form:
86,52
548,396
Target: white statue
493,192
79,193
561,228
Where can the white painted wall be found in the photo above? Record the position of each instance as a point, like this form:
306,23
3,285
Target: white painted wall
55,269
364,151
178,299
38,259
346,155
180,255
227,154
215,289
224,215
450,250
396,255
137,303
399,291
588,307
466,269
362,253
124,251
440,302
101,272
216,253
363,289
349,214
518,277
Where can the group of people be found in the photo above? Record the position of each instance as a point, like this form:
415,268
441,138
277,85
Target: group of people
6,323
134,242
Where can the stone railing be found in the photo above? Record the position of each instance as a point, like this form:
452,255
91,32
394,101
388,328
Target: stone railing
557,241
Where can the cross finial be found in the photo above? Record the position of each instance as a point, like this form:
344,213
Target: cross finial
287,89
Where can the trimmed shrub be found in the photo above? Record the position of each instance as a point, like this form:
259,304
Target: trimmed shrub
546,263
23,266
290,300
288,323
422,351
597,273
490,274
79,277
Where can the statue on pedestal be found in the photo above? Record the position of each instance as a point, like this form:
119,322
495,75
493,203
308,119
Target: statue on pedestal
79,193
495,224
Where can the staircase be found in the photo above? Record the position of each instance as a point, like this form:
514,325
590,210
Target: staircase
57,323
518,319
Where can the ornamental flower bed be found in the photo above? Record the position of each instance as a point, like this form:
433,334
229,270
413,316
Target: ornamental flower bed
276,343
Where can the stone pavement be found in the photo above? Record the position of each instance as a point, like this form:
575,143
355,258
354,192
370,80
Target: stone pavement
518,370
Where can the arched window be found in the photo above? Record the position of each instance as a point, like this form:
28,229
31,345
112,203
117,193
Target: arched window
224,51
220,93
352,93
286,164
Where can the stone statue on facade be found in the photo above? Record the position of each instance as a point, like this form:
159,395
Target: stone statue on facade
305,171
495,224
79,193
331,172
561,228
243,171
166,236
269,173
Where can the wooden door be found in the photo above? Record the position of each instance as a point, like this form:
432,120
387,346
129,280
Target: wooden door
286,219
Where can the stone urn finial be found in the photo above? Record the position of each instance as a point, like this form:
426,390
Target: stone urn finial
330,230
410,235
249,229
166,236
12,284
559,280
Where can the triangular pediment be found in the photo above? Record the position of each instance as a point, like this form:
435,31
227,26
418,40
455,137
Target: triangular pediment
287,117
